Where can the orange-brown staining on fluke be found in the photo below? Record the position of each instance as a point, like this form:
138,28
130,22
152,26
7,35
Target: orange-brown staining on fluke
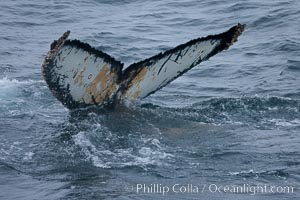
140,76
100,79
106,93
135,82
136,94
79,77
107,83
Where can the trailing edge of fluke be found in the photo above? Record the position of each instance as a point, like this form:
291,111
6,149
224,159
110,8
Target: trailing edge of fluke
79,75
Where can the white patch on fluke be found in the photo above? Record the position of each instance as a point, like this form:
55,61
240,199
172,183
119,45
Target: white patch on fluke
165,69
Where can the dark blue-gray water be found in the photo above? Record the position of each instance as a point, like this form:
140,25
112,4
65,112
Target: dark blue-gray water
232,120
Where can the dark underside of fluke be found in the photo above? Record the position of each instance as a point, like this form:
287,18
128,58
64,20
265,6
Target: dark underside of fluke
79,75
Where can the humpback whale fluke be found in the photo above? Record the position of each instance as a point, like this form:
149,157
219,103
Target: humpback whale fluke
79,75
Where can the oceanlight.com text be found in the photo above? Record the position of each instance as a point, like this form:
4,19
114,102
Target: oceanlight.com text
177,188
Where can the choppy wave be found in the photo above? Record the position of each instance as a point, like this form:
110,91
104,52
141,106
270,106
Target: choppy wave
233,118
251,173
147,152
134,136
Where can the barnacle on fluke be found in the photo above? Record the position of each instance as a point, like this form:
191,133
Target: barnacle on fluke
79,75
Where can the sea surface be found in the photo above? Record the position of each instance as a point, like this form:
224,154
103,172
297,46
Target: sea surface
234,120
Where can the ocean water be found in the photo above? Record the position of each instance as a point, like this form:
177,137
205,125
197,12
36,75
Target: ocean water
231,121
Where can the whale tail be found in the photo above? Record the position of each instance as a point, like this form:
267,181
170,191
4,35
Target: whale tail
79,75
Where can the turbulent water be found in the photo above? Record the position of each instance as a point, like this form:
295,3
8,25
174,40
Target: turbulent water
232,120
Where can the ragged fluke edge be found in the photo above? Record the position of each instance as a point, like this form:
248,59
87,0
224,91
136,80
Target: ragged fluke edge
79,75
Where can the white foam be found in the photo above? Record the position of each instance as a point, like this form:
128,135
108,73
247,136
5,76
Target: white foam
149,153
250,171
7,82
12,87
28,155
285,123
89,149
